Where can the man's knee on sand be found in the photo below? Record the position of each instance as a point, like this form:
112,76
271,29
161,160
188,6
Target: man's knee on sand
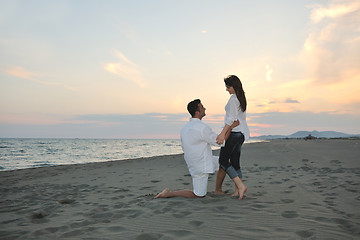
200,183
199,196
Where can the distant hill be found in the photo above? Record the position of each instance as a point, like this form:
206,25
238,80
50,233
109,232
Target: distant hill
303,134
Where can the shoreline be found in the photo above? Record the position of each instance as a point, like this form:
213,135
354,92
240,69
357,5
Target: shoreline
59,153
297,189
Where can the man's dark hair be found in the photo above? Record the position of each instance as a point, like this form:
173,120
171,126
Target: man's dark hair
193,106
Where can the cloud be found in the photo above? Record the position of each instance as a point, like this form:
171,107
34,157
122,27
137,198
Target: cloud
289,100
22,73
259,125
149,125
334,10
269,72
161,125
147,118
290,122
126,69
330,52
277,104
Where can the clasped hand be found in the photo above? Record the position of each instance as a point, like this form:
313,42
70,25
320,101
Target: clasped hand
220,139
222,136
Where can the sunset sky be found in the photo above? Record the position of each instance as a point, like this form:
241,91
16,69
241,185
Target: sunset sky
127,69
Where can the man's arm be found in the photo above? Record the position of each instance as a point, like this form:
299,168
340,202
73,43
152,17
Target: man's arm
210,137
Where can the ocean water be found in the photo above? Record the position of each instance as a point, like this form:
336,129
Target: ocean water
31,153
20,153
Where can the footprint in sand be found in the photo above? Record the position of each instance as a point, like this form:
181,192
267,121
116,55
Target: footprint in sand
287,200
287,192
182,214
259,194
276,182
351,190
66,201
196,223
306,169
316,183
121,190
258,206
289,214
305,233
116,229
38,215
149,236
345,224
128,213
180,233
220,208
335,162
72,234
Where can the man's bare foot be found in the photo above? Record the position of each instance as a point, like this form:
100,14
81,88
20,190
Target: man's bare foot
162,194
242,192
219,192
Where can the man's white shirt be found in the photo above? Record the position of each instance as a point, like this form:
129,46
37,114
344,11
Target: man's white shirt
196,141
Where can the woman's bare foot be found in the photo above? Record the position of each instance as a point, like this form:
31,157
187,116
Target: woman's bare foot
163,194
242,191
236,193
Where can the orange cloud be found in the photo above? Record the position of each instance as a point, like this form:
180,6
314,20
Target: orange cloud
126,69
260,125
331,49
20,72
334,10
214,119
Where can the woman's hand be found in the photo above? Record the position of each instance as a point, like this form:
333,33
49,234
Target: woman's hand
220,139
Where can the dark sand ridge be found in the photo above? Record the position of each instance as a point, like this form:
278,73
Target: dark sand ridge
297,190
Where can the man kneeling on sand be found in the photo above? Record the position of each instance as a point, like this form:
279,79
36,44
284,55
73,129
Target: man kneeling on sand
196,141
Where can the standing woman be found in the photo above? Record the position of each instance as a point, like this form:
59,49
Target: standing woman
229,158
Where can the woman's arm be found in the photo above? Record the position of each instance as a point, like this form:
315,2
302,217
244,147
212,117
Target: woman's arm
230,118
235,124
225,133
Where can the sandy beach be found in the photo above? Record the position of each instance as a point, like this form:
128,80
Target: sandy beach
297,189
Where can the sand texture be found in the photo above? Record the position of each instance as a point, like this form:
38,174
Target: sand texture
297,189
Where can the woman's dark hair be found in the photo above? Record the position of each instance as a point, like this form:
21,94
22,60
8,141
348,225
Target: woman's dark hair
234,81
193,106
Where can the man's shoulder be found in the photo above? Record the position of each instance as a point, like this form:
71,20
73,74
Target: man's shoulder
194,125
197,123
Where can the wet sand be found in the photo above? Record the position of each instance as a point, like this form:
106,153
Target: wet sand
297,189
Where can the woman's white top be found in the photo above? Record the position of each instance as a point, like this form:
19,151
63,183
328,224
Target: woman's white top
233,113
